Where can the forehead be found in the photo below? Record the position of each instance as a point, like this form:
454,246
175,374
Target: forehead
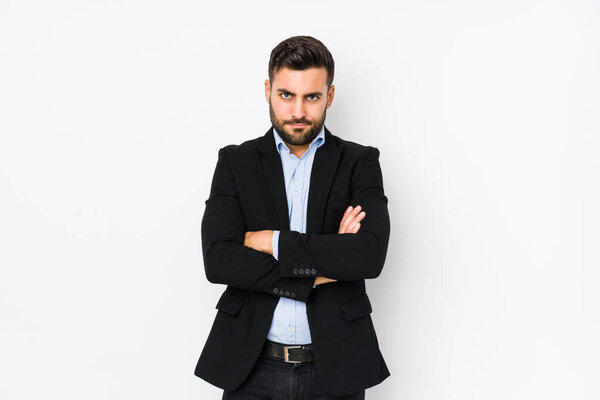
298,81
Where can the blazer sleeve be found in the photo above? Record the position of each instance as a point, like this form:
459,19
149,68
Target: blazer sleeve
344,256
226,259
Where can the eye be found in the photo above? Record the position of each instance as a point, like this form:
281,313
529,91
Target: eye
314,97
285,95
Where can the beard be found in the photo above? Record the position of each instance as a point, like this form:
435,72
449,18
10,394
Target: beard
299,139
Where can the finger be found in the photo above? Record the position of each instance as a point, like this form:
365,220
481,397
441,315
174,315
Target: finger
346,213
351,217
360,216
355,220
354,228
348,218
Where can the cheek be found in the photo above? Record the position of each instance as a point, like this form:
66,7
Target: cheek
279,108
316,110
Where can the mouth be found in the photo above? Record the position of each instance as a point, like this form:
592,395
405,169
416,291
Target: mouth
298,125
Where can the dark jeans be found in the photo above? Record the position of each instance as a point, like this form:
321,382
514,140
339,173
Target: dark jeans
274,379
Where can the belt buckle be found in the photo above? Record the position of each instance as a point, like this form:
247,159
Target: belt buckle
286,356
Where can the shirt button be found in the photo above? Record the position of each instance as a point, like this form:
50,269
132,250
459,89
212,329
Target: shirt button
295,226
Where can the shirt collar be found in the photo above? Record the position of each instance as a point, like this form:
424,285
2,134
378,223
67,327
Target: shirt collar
316,142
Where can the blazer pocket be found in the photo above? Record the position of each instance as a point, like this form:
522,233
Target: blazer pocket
357,308
229,304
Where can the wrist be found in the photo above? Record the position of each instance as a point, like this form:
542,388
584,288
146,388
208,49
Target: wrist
269,242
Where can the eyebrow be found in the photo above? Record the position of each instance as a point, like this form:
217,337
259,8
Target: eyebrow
307,94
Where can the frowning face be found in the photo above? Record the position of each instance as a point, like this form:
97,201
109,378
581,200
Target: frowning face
298,100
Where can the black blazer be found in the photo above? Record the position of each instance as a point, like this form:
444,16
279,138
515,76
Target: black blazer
248,194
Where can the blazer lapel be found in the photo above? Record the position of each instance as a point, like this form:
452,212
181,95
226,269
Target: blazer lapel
323,170
273,172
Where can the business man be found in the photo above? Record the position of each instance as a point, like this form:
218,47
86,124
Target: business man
296,220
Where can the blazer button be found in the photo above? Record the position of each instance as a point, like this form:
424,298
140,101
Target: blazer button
287,293
301,272
313,271
295,271
275,290
307,271
293,294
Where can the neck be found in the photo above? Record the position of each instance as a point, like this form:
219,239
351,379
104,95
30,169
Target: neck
297,150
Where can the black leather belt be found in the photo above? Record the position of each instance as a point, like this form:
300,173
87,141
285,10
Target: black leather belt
289,353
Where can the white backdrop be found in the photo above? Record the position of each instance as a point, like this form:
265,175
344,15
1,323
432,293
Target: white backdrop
486,116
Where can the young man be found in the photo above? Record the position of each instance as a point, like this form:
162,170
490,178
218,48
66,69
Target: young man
286,229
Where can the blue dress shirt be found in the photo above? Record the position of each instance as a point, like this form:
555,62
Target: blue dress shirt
290,322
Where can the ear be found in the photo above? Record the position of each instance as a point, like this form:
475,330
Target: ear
267,90
330,95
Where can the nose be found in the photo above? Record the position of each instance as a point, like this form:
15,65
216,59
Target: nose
298,109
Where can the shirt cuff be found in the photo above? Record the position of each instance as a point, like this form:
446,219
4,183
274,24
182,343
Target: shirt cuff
275,244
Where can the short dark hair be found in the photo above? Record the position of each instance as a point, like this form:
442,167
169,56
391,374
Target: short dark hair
301,52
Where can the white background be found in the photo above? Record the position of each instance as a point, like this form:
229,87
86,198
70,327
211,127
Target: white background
486,116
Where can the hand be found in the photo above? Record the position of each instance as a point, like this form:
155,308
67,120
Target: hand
350,223
260,240
319,280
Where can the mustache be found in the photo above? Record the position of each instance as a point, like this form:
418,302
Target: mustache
299,121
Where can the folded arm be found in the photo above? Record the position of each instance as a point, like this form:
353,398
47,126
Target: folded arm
346,256
226,259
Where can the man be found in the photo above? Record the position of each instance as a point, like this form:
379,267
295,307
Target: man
286,229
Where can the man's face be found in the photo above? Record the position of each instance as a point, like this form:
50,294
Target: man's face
298,100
